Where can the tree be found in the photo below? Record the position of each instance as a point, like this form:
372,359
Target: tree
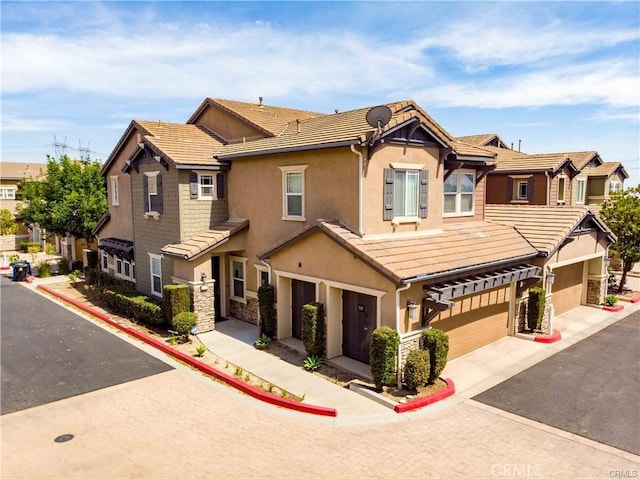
621,213
8,225
70,199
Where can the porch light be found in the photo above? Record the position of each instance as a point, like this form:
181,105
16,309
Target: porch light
412,308
551,277
203,279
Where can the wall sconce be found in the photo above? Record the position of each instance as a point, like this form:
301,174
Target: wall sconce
551,277
203,279
412,308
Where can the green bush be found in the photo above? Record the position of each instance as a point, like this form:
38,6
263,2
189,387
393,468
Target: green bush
610,300
266,305
44,269
437,343
25,245
183,323
50,249
176,298
135,306
417,369
382,355
313,329
535,307
63,266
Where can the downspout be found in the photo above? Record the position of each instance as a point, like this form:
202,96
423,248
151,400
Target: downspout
268,268
360,170
398,359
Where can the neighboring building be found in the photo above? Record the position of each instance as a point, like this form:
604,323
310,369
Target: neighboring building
377,213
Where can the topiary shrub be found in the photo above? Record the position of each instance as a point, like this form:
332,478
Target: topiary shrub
417,369
535,307
176,298
313,329
266,305
437,343
184,322
44,269
383,352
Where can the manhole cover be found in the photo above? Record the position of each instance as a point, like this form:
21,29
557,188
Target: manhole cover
64,438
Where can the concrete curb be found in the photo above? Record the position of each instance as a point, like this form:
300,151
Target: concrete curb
205,368
613,309
548,339
425,401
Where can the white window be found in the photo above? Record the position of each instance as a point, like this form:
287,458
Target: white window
156,274
115,195
405,193
263,275
237,278
522,189
580,191
459,193
125,269
205,187
105,261
118,266
293,192
614,187
561,188
7,193
153,193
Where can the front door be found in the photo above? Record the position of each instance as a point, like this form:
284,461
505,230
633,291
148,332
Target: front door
359,313
215,274
302,292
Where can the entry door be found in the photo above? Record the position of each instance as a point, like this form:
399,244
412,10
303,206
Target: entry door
302,292
358,322
215,274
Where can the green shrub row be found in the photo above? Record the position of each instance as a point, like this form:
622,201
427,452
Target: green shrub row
176,299
266,305
382,355
97,277
135,306
25,245
313,329
437,343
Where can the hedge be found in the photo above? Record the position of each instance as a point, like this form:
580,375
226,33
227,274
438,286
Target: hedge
382,355
135,306
184,322
176,298
437,343
417,369
266,305
313,329
535,307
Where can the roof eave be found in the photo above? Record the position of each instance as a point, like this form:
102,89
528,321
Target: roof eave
272,151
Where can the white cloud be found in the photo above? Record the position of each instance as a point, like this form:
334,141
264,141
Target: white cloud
10,123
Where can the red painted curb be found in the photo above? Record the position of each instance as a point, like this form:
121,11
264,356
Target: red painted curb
425,401
551,338
635,299
613,309
205,368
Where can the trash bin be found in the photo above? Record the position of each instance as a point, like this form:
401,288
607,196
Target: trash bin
21,269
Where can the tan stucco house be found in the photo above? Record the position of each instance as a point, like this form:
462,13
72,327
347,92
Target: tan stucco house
378,213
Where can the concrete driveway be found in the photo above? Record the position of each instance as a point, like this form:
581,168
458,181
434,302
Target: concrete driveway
591,389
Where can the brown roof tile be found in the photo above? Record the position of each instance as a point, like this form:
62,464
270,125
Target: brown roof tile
206,240
607,169
18,171
509,160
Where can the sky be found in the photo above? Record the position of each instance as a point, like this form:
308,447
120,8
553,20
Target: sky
550,76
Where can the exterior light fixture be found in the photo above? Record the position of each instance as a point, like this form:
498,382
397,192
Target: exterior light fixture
203,279
412,308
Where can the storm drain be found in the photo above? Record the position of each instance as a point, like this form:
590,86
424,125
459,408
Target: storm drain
64,438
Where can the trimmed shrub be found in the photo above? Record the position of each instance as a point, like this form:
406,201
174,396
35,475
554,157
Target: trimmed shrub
176,298
63,266
535,307
50,249
382,355
135,306
25,245
44,269
437,343
313,329
266,305
184,322
417,369
93,258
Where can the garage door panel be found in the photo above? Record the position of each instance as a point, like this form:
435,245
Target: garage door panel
567,288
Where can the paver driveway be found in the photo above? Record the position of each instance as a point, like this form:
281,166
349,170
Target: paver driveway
591,388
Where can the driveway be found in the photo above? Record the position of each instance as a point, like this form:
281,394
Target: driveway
49,353
591,389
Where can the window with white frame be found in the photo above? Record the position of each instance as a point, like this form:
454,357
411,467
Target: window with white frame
238,278
293,192
405,192
115,194
105,261
125,269
155,267
7,193
459,190
580,191
561,187
263,275
522,189
152,193
614,186
205,186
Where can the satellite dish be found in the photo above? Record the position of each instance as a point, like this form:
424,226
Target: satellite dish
379,116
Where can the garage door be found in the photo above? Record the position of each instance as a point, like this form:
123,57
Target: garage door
567,288
475,321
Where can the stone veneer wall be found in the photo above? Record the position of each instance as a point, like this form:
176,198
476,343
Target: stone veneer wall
245,312
407,344
521,316
596,289
203,305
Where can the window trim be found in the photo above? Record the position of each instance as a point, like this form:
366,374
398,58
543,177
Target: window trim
618,188
243,262
104,259
583,182
4,193
201,196
519,184
124,263
285,211
406,218
115,192
148,175
458,195
153,257
260,270
561,197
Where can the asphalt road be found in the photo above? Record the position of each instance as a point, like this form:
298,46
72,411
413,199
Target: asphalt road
591,389
49,353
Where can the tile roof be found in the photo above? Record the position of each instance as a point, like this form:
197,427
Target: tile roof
337,129
581,158
420,256
270,119
206,240
17,171
545,227
467,149
510,160
608,168
180,143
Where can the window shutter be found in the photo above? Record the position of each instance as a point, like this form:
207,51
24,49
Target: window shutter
509,189
159,210
530,188
193,185
423,194
145,189
388,194
220,186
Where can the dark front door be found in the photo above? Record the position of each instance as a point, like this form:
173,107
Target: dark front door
358,322
302,292
215,274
